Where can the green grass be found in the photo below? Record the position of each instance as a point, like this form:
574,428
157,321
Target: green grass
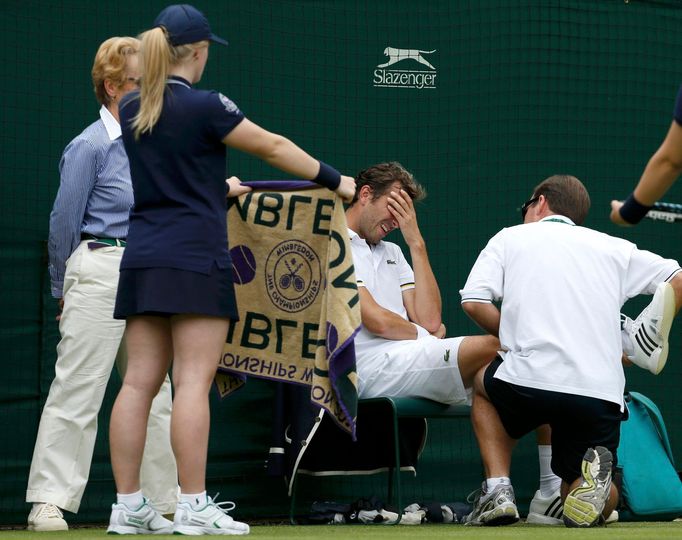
630,531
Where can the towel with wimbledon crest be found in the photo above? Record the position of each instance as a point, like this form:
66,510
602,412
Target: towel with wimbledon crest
297,298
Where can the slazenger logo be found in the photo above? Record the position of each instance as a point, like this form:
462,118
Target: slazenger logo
405,78
293,275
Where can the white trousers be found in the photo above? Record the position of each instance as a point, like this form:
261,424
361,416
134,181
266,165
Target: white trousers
426,367
91,342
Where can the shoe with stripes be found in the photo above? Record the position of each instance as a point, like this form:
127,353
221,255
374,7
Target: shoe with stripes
645,342
211,518
495,508
141,520
584,505
546,510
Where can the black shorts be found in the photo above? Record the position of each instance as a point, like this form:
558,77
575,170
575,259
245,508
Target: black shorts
577,422
169,291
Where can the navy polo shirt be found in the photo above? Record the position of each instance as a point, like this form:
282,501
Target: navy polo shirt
178,173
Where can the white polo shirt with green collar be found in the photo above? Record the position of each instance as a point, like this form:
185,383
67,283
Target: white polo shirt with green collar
562,288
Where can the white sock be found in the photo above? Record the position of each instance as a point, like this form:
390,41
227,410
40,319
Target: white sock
549,482
491,483
131,500
194,499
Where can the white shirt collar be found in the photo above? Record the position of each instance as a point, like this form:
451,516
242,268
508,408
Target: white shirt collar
110,123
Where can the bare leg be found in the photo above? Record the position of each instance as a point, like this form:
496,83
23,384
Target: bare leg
474,353
149,351
197,345
543,435
493,441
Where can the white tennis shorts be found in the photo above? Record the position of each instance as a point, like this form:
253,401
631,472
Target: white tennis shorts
425,367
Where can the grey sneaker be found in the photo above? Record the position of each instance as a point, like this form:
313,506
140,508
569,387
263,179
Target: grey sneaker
211,518
495,508
143,520
584,505
45,517
645,340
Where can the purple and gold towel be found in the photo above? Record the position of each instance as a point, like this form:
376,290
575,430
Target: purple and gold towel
299,308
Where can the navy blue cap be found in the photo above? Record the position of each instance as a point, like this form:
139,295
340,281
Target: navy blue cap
186,24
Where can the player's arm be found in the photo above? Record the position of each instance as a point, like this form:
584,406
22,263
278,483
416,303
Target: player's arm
383,322
281,153
664,167
485,314
423,303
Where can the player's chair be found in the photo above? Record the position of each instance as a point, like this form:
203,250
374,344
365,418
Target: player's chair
393,410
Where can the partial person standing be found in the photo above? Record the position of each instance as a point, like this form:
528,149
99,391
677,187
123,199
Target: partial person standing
175,288
660,173
88,230
561,287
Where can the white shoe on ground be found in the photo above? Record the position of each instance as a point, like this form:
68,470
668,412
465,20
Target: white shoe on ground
546,510
143,520
584,504
645,342
211,518
550,510
45,517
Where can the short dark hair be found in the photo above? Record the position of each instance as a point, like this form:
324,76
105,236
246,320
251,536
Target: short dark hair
382,176
566,195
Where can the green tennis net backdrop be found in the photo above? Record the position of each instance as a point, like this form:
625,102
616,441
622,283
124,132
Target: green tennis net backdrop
486,99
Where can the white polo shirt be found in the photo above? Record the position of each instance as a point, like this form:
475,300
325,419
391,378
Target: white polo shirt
562,288
383,270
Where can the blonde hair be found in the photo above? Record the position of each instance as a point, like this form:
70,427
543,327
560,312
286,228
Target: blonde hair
157,57
110,63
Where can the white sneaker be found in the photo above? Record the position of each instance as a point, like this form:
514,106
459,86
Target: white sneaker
550,510
143,520
209,519
646,338
46,517
613,517
546,510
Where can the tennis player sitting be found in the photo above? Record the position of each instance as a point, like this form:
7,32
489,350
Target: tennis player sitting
401,349
561,287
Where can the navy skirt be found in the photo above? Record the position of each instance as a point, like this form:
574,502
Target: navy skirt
169,291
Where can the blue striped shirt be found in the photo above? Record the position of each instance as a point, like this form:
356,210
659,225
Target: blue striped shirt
95,193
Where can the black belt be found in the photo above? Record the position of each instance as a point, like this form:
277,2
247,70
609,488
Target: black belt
117,242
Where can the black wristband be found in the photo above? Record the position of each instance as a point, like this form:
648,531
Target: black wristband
328,176
632,210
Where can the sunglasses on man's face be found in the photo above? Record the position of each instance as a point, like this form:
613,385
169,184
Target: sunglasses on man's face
525,206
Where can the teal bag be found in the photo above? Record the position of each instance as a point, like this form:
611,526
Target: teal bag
651,487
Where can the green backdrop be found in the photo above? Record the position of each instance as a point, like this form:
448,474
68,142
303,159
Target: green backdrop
515,91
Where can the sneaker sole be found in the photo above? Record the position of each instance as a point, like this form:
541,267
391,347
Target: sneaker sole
586,513
501,515
665,326
48,528
199,531
120,529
